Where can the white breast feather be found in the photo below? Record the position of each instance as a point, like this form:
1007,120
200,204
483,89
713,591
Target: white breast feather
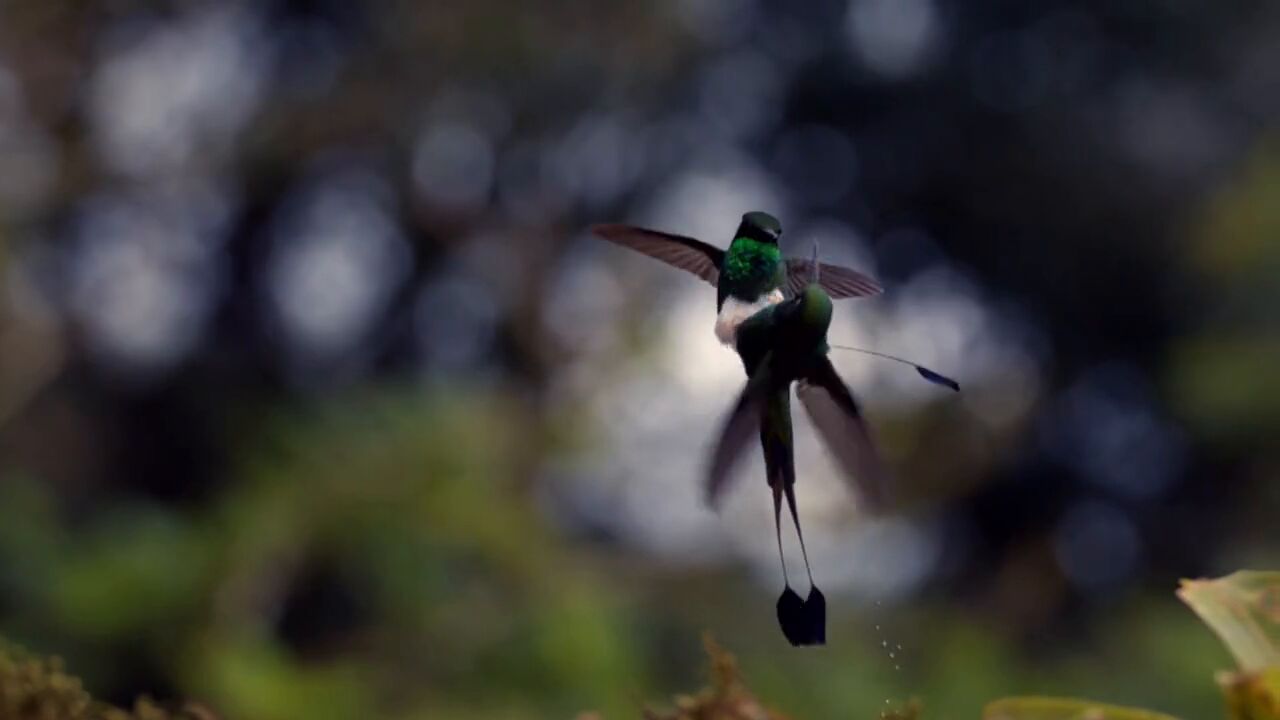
733,312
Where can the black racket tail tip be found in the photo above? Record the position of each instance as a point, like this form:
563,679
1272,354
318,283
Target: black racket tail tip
793,617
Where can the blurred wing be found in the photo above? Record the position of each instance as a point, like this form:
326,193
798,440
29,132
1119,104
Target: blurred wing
743,423
836,416
677,251
839,282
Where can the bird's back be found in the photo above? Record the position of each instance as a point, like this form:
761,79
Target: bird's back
793,332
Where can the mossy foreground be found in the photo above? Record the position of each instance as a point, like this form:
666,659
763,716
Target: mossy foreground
34,688
1242,609
728,698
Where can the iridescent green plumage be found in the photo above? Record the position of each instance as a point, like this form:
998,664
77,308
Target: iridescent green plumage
751,268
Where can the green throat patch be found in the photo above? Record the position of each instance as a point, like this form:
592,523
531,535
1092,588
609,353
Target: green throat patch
749,259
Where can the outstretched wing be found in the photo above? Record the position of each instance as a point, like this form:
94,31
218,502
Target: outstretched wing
677,251
743,422
839,282
836,416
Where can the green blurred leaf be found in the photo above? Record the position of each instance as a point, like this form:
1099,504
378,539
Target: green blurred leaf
1223,383
1244,610
1252,696
1235,241
138,573
254,678
1048,708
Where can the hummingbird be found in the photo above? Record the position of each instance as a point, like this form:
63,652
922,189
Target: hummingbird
775,312
782,344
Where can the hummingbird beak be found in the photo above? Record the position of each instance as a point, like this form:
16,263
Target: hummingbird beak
813,264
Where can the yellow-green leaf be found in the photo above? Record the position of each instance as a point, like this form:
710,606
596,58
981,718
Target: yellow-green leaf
1243,609
1049,708
1252,696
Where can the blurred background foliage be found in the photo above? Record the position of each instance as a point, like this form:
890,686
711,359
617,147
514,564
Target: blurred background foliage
316,400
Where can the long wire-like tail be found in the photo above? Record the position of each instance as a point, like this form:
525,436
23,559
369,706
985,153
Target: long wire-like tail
790,491
777,526
815,606
794,614
803,622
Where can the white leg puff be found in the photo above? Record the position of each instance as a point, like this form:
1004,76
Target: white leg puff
733,312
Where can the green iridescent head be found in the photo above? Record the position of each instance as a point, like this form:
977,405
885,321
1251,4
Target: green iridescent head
760,226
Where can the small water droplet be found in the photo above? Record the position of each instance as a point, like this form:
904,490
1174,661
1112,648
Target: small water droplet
884,643
897,667
892,656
